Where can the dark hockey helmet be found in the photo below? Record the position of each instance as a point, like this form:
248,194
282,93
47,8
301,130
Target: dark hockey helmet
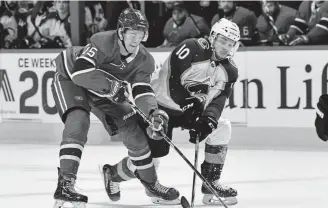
133,19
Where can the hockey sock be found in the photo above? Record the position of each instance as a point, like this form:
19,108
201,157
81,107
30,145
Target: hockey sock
122,171
214,160
143,162
215,154
74,137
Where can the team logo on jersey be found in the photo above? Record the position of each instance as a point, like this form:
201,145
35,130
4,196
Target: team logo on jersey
120,66
203,43
196,87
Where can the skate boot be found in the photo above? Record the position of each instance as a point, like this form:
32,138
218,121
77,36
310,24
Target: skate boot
160,194
112,188
65,193
212,173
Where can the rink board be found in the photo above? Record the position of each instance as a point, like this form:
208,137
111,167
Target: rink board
270,138
276,88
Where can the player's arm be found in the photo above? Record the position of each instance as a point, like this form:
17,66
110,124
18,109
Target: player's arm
221,91
143,94
299,25
320,31
86,73
181,60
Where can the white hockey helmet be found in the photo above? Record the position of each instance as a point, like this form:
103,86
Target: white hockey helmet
226,29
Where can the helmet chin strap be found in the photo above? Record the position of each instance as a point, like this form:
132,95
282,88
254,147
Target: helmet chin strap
123,43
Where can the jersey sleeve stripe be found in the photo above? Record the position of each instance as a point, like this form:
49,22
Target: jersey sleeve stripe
83,72
64,57
144,94
296,28
87,59
323,23
140,84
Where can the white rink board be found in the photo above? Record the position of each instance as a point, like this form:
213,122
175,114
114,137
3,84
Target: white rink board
30,86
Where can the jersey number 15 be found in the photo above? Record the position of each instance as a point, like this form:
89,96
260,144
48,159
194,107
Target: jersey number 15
90,51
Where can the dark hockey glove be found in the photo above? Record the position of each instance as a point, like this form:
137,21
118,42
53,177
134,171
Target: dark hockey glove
321,121
203,127
117,91
159,119
193,107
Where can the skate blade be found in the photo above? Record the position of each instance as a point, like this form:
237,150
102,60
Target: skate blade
65,204
161,201
209,199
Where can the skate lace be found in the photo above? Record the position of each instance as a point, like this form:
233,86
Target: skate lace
70,184
160,188
217,185
114,187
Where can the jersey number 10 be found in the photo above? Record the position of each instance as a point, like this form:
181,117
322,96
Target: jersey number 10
183,52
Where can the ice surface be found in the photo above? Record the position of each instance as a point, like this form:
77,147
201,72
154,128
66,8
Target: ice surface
263,178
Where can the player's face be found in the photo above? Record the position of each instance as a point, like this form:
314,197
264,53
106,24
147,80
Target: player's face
62,6
132,39
269,7
226,6
223,46
179,15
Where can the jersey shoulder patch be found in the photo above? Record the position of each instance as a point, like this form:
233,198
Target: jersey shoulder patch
204,43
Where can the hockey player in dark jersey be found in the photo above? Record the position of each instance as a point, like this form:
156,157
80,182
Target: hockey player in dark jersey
192,87
97,78
310,25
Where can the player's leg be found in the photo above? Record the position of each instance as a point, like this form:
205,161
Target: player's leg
139,163
72,104
215,153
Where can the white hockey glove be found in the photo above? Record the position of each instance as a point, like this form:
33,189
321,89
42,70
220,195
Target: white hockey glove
159,119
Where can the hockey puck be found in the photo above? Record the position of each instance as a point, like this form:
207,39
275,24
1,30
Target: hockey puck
184,202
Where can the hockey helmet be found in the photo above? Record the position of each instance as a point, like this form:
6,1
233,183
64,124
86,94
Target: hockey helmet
133,19
227,29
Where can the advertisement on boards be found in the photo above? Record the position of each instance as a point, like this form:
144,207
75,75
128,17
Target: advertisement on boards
275,88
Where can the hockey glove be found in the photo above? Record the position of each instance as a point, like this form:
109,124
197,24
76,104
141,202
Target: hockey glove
203,127
302,40
193,107
159,119
117,91
321,121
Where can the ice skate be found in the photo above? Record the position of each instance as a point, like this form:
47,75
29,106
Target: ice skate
112,188
160,194
212,174
65,193
227,194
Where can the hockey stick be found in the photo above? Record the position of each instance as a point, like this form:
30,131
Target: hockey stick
194,176
184,201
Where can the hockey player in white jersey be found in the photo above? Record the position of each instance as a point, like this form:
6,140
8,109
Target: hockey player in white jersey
192,87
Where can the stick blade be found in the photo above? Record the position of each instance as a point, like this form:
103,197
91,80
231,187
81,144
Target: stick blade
184,202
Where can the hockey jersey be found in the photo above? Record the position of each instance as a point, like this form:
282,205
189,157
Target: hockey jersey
246,21
282,21
312,21
191,28
190,70
91,66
